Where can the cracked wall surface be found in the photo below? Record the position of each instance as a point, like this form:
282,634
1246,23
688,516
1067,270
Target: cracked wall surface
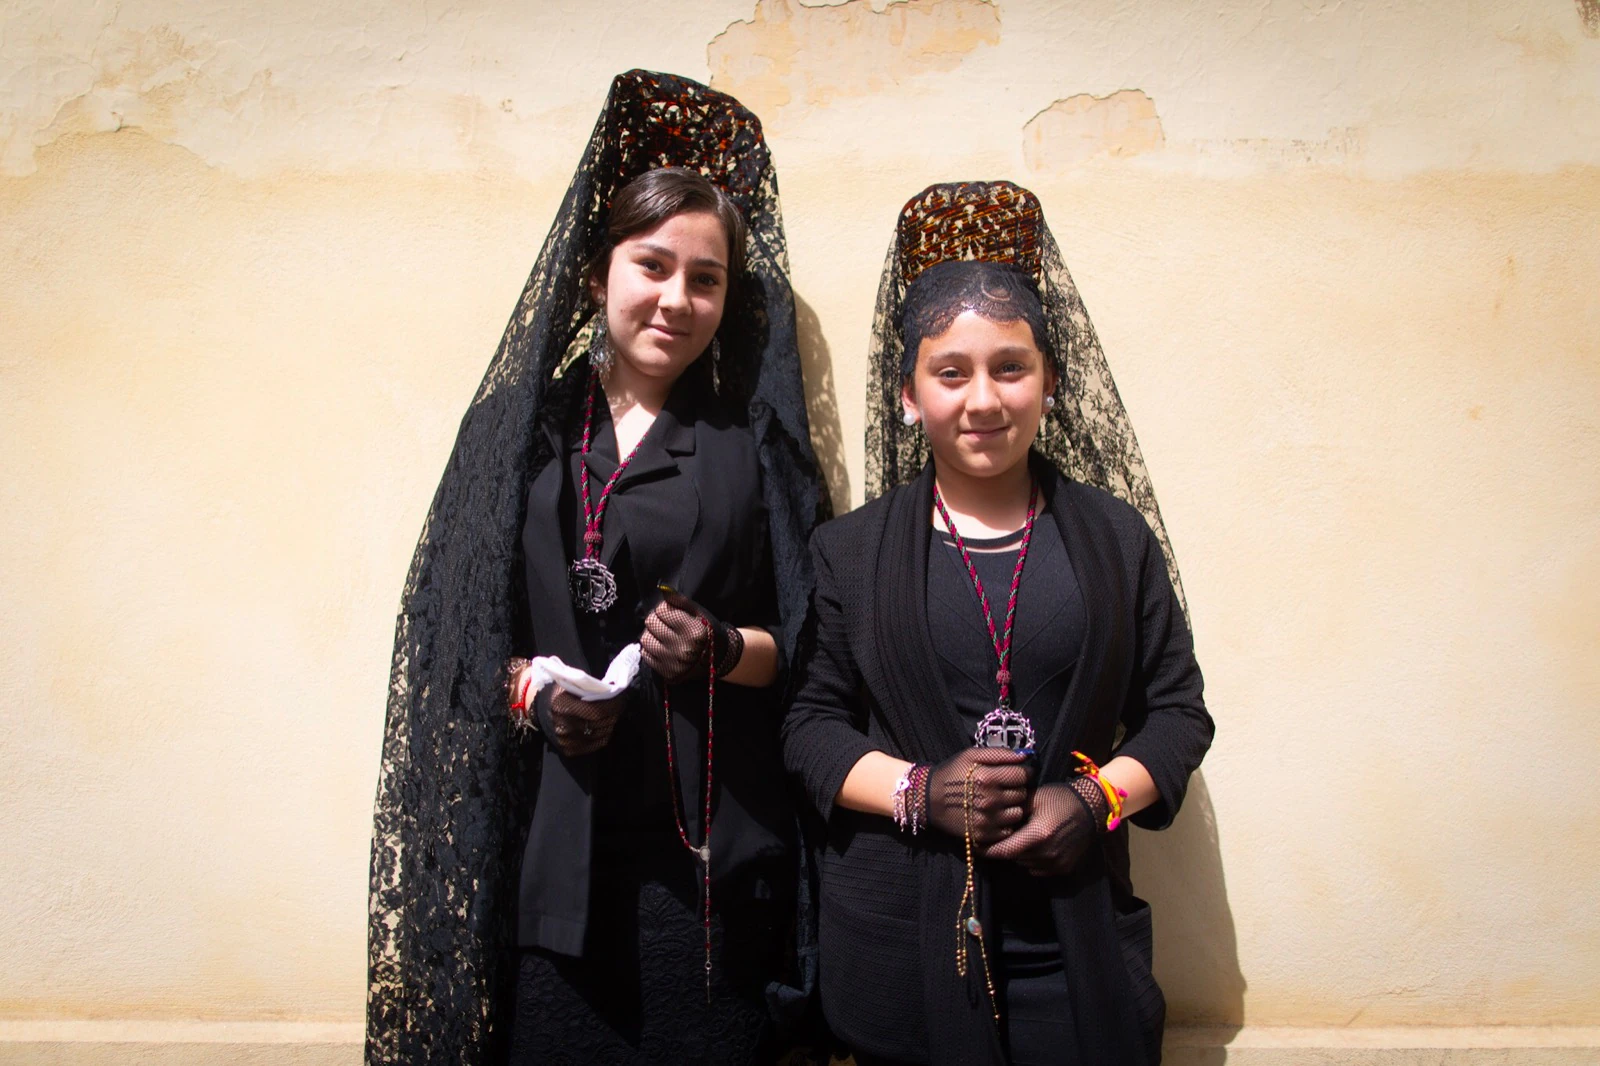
1342,258
790,53
1084,126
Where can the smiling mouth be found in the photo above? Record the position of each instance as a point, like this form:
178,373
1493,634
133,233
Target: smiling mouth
984,434
668,331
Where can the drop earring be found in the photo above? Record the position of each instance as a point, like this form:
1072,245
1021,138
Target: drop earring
716,357
600,346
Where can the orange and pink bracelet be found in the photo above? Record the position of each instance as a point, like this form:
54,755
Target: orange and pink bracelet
1114,795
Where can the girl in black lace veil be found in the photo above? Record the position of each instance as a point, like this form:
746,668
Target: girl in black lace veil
454,794
1001,677
1088,436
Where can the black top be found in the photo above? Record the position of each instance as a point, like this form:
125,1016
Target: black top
1047,638
688,511
1047,635
872,680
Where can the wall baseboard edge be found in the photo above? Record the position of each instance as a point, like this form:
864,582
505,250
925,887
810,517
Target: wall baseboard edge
131,1042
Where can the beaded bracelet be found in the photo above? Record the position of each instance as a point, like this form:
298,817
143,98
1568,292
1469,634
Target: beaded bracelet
1114,795
898,803
910,802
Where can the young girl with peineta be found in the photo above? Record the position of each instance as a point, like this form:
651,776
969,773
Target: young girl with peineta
1002,676
584,849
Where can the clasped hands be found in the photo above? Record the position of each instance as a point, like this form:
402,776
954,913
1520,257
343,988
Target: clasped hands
1046,829
680,637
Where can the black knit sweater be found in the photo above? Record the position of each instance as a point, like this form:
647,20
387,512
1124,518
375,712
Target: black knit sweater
870,680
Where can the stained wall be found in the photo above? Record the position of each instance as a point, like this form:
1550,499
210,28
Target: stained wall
1343,258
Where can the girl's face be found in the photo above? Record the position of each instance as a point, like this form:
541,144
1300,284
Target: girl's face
664,293
979,390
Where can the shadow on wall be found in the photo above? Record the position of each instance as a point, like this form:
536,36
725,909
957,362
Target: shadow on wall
822,403
1196,951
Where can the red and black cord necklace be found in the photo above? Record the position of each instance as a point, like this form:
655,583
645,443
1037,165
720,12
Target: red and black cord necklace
591,582
1001,728
594,589
703,852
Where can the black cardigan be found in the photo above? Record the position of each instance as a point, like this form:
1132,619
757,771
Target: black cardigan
870,680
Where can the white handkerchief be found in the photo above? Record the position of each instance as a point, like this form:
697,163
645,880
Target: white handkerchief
619,675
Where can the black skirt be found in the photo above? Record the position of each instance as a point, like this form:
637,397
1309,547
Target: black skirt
638,994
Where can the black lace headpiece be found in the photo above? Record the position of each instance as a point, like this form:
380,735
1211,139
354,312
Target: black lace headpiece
1088,435
445,848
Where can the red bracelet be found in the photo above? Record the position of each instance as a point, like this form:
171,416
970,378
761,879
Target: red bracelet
519,682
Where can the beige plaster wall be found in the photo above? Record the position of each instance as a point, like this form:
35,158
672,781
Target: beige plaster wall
1344,258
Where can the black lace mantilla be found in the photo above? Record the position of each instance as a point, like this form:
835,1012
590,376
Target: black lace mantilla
1088,435
445,848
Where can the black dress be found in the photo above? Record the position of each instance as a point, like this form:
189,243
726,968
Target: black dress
619,976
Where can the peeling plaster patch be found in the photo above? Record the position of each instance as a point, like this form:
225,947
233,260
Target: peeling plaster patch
1081,127
793,53
1589,12
248,109
153,80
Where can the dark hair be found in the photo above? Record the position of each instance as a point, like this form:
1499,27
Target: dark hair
657,195
999,292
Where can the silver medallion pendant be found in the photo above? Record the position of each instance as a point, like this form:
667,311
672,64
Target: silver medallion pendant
1004,728
593,585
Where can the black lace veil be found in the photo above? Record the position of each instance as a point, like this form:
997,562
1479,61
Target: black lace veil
1088,435
445,850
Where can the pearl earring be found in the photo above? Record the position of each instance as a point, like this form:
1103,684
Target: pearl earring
1049,402
909,418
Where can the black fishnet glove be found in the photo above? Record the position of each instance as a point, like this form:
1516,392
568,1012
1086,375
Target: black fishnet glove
677,644
574,726
1062,822
1000,779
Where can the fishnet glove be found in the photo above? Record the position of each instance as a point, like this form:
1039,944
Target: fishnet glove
574,726
1000,779
1062,822
677,643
